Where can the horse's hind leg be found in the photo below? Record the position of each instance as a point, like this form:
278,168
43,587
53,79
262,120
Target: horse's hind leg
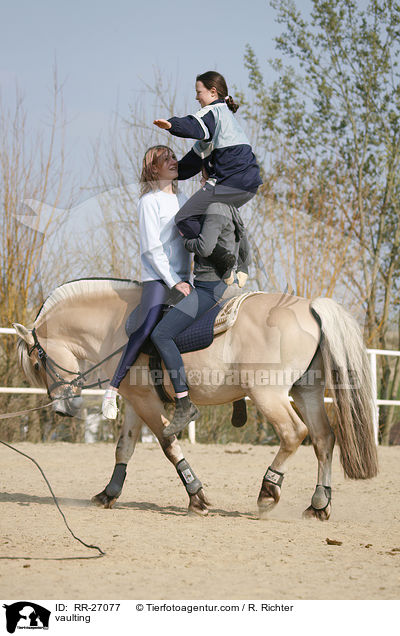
151,409
309,398
291,431
125,446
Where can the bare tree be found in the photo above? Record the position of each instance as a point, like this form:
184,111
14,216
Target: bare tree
31,166
340,107
117,163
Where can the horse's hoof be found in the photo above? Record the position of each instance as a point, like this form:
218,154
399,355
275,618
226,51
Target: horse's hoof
268,498
102,500
198,504
313,513
265,507
199,512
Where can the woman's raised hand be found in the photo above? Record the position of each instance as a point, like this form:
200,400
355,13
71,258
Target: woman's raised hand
162,123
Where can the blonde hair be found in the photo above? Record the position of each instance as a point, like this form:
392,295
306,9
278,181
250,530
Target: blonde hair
152,160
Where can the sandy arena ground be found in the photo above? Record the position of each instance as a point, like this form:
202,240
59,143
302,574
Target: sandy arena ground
156,551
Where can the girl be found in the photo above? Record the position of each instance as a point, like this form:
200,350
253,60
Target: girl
208,290
165,261
224,153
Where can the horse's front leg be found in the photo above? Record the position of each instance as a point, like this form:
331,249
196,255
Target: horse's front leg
151,409
125,446
198,502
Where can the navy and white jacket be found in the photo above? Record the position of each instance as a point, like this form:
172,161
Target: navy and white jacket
222,148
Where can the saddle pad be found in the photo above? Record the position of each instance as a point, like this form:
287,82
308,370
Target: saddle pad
216,320
229,312
200,334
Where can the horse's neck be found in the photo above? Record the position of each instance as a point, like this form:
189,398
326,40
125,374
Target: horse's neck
90,327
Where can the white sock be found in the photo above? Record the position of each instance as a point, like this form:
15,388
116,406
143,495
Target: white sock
110,393
109,406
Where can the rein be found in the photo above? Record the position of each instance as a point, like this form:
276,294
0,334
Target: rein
6,416
87,545
49,365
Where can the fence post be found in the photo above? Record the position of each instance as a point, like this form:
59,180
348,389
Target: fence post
375,409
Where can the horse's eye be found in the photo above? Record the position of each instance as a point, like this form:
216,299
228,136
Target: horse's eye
36,365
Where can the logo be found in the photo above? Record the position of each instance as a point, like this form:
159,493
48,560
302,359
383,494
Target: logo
26,615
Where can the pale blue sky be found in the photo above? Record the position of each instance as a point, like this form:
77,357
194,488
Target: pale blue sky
104,47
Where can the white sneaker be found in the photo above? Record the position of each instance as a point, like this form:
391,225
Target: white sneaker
109,406
242,278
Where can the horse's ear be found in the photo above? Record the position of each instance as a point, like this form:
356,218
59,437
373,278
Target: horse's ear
24,333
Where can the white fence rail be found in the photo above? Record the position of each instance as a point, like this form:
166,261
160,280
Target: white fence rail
373,353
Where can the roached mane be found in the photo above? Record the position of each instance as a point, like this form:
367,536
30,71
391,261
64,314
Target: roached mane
67,291
83,287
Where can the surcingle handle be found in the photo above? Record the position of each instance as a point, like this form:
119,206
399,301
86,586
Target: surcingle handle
189,479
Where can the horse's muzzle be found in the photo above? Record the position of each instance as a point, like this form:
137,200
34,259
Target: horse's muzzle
67,406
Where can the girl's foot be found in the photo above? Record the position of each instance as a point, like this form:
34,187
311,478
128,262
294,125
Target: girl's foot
229,277
242,278
109,406
226,267
185,412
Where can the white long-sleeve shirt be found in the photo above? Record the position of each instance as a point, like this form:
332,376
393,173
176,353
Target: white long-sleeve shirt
162,251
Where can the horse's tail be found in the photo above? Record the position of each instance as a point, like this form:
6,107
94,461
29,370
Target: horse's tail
348,376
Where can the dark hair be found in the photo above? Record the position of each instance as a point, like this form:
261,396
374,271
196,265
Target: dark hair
212,79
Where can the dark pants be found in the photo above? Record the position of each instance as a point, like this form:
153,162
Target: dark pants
190,217
154,295
204,296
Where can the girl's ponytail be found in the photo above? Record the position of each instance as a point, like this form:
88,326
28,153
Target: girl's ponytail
231,104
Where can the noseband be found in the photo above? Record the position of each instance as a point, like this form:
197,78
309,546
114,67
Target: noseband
50,365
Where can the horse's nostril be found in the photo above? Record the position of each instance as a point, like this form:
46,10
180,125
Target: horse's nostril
67,405
59,407
75,403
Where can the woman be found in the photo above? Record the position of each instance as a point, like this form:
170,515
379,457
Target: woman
208,290
164,259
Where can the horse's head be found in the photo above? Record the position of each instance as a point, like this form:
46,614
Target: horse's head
37,362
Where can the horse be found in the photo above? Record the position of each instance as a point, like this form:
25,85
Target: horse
280,347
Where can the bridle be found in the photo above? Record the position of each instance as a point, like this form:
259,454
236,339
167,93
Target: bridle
50,366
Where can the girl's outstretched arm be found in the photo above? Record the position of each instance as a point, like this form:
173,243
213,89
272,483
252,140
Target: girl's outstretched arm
198,126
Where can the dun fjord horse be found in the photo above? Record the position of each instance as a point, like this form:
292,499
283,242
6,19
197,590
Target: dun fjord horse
279,345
